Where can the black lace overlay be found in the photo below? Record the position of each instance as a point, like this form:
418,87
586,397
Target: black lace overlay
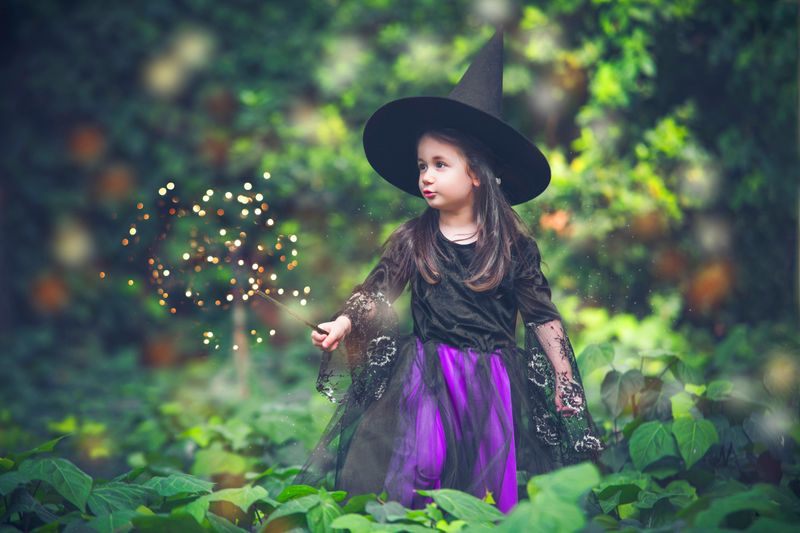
552,367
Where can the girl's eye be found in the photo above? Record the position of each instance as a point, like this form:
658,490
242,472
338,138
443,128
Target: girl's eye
442,162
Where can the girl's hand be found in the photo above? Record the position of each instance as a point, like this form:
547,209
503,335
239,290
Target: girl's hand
569,394
337,330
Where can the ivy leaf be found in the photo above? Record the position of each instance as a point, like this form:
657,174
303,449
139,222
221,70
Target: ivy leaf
175,484
650,442
67,479
463,505
694,438
117,496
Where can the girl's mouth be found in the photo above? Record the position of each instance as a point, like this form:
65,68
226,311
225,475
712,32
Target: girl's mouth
429,194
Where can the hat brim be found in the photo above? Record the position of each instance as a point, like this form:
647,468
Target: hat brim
389,144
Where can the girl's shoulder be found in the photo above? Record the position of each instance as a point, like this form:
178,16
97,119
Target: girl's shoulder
525,256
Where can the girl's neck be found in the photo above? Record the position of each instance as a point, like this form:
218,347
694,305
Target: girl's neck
457,225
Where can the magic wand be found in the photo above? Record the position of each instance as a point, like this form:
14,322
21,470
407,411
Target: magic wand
286,308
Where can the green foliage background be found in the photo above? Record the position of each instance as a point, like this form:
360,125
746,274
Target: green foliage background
669,233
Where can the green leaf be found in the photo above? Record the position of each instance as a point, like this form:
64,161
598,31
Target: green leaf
754,499
242,497
620,488
719,389
358,503
568,483
682,404
294,491
463,505
618,389
697,390
113,522
116,496
386,512
353,522
178,484
595,356
220,524
650,442
11,480
694,438
48,446
319,517
547,514
159,523
298,505
67,479
218,461
197,509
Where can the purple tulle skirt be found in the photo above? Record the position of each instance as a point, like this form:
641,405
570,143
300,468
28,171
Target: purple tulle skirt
419,459
449,417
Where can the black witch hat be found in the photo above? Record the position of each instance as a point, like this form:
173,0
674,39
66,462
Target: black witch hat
473,106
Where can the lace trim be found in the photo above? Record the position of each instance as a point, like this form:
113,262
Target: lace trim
371,348
552,369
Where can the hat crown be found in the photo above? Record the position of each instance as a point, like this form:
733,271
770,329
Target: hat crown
481,86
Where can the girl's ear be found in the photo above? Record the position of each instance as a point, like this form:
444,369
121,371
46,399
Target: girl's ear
475,181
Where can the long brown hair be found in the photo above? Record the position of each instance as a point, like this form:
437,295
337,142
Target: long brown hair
499,226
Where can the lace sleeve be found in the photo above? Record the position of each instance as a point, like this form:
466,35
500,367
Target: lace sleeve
359,369
552,367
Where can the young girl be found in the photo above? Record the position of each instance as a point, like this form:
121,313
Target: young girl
455,404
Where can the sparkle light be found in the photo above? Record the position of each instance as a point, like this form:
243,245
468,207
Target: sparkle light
231,255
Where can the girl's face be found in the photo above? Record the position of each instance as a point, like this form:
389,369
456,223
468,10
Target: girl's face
443,171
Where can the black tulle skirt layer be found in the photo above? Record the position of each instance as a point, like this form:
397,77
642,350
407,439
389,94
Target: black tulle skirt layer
448,418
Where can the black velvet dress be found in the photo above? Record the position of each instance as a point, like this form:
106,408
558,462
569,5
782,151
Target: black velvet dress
456,403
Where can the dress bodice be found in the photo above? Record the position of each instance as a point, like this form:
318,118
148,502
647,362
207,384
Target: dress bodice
452,313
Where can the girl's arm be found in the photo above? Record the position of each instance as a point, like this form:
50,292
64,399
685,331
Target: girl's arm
370,300
545,332
370,346
558,383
